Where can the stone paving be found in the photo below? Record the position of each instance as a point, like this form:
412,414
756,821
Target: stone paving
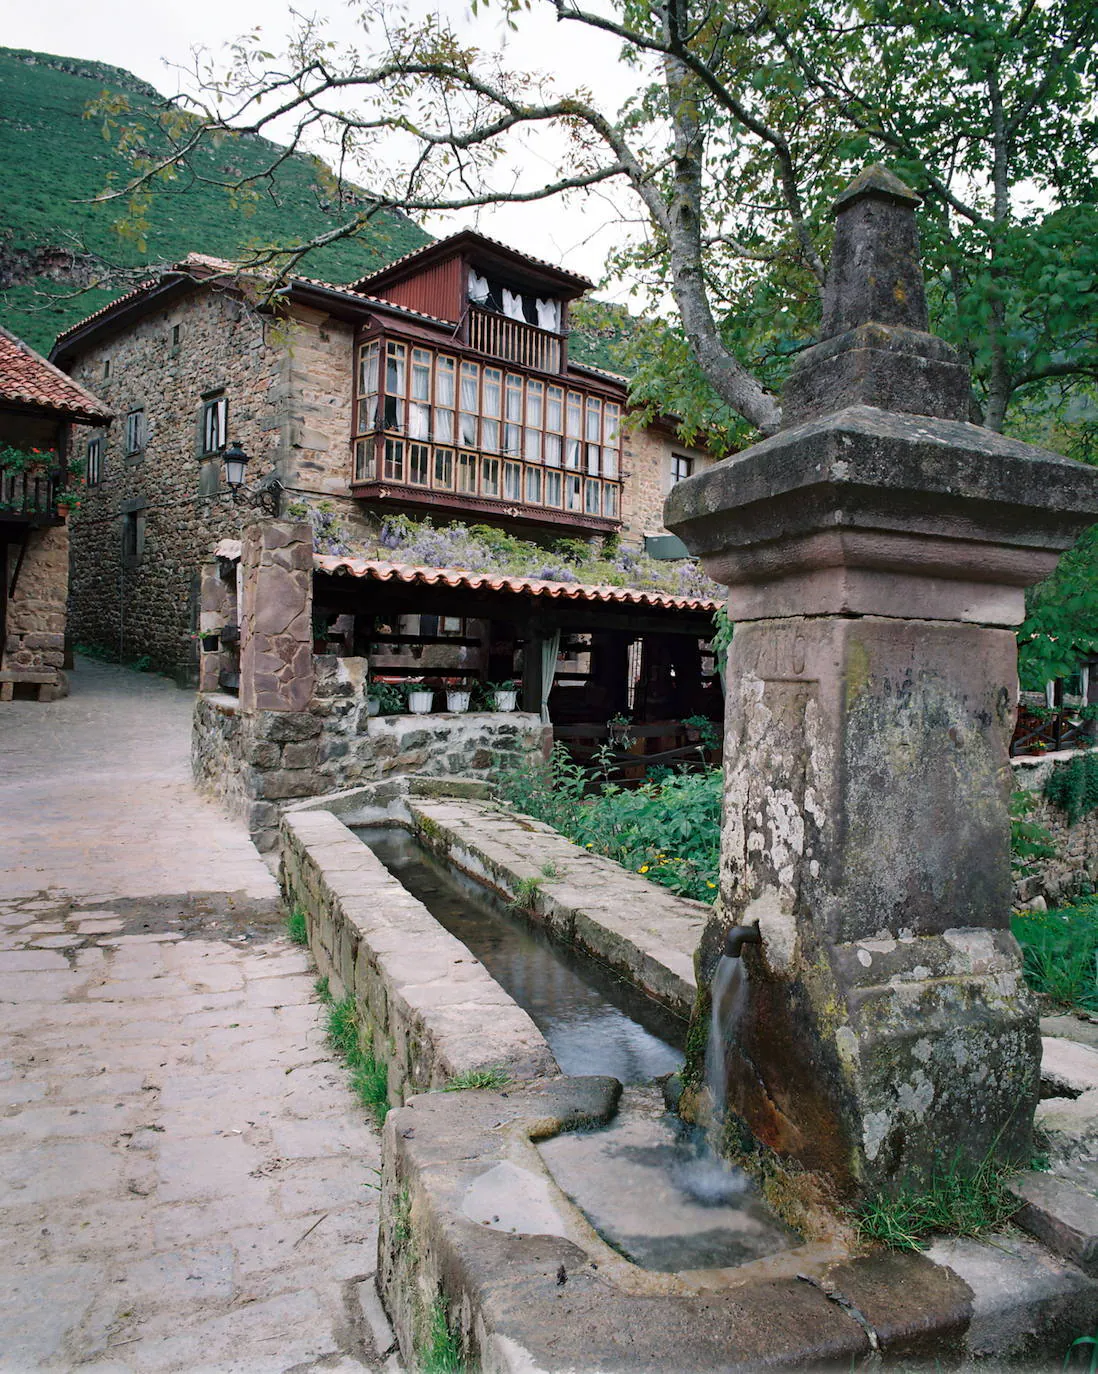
186,1182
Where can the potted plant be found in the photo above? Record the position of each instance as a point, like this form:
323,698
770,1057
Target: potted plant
502,695
458,699
384,698
420,698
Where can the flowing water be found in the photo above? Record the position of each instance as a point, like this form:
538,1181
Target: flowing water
728,996
595,1022
647,1182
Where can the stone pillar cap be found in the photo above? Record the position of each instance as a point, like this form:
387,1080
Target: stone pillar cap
876,180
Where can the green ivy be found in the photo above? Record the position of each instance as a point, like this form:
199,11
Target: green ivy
1073,786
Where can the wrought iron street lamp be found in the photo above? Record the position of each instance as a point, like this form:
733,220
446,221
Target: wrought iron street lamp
265,494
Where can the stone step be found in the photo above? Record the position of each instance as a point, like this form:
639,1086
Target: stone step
1068,1066
1062,1216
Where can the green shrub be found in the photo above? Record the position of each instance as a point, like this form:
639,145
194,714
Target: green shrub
369,1076
668,829
1073,786
1060,950
297,928
1029,840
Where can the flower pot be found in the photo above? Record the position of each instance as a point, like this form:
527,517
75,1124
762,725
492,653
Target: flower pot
505,701
458,701
419,703
373,706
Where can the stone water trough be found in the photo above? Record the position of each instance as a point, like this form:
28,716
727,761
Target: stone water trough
876,552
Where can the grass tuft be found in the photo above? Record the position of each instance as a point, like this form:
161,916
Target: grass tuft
442,1350
369,1076
297,928
1060,953
956,1203
478,1078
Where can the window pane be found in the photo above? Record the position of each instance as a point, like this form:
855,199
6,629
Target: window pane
553,450
470,374
467,428
514,397
489,477
534,398
367,414
594,420
571,453
493,392
419,420
512,481
444,469
489,435
512,438
444,381
364,460
575,414
418,464
573,488
593,498
444,425
467,473
367,369
609,462
533,486
395,372
611,419
531,449
394,412
593,455
552,488
554,410
394,460
421,374
610,500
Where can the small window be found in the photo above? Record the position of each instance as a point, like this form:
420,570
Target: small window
419,464
444,469
215,416
553,488
512,481
133,537
467,473
394,460
533,486
610,500
135,432
573,489
175,336
106,368
364,460
94,462
489,476
593,498
681,467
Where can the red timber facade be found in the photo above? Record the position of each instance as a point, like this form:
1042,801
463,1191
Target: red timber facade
482,412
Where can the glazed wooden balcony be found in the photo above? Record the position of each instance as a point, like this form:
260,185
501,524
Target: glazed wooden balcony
514,341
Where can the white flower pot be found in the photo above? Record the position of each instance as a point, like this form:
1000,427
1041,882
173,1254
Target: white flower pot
458,701
505,701
419,703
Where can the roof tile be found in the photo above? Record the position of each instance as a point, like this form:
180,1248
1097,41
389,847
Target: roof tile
27,379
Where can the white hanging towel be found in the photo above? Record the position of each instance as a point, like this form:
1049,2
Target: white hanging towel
478,288
512,305
549,315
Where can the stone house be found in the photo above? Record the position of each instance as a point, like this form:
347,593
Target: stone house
39,407
438,386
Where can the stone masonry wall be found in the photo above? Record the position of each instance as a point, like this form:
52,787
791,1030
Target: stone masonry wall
1075,865
146,604
35,637
427,1011
255,764
646,466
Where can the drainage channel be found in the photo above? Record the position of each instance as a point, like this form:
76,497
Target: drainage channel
594,1021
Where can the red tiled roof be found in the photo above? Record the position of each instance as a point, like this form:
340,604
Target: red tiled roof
27,379
342,565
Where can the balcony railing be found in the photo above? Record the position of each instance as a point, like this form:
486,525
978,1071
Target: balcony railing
514,341
28,493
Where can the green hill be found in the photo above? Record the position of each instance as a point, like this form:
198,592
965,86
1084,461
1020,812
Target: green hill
54,160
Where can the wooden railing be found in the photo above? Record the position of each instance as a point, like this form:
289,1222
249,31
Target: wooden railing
514,341
28,492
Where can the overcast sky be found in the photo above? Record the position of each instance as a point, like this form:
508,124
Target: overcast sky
150,38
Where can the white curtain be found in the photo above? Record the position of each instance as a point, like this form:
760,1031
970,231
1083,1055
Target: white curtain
550,647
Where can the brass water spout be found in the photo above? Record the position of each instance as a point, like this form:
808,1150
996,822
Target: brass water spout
738,936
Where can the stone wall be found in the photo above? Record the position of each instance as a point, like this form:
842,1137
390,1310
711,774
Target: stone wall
427,1011
646,468
146,603
1075,865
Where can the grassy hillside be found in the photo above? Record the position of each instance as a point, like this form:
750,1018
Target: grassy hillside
54,160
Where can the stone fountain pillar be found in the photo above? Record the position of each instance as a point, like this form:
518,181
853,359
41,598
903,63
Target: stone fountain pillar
876,552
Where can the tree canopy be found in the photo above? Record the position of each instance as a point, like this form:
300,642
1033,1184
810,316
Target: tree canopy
748,117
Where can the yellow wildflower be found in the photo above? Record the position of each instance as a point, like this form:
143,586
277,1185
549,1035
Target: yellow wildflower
643,868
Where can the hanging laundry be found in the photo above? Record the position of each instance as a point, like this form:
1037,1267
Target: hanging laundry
512,305
478,288
549,315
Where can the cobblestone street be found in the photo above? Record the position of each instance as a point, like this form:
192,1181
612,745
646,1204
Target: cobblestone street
186,1181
